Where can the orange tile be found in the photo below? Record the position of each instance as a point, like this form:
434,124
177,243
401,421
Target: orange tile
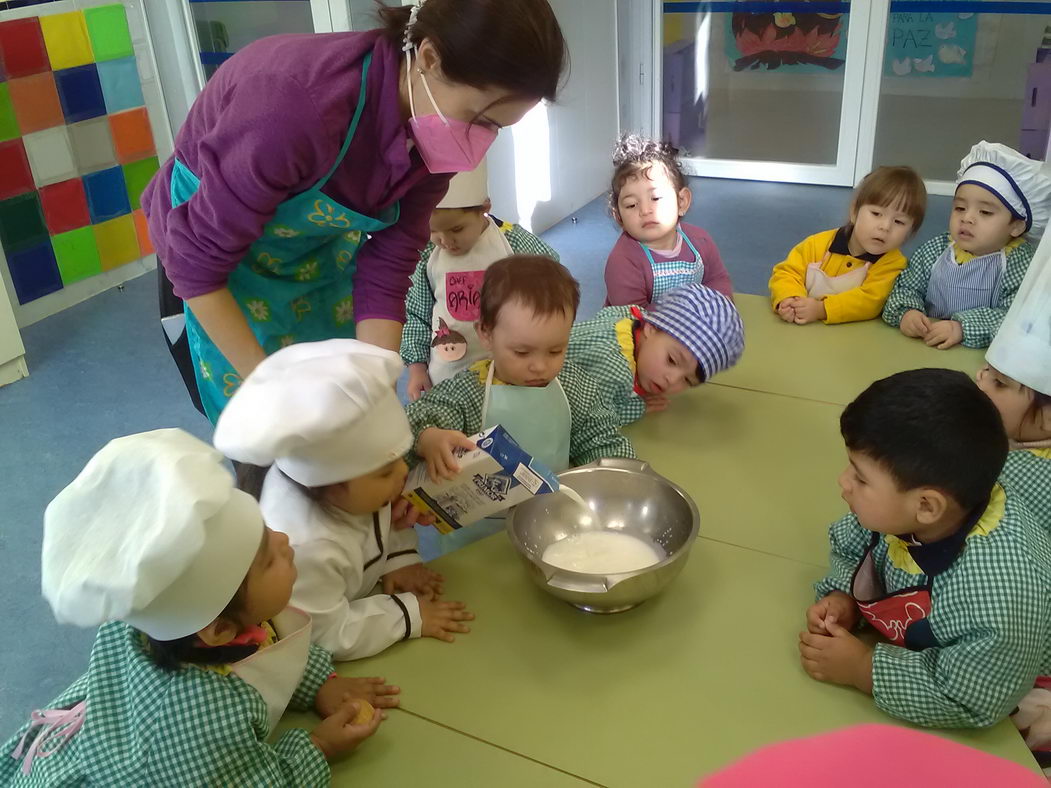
36,102
132,138
143,231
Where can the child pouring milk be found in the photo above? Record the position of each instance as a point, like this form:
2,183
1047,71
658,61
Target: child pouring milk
439,338
957,287
198,654
326,415
642,358
1017,378
844,275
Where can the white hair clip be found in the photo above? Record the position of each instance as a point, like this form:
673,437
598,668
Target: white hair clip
407,44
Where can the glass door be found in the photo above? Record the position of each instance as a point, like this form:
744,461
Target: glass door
765,90
949,73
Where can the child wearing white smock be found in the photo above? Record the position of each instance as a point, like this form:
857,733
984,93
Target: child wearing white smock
326,416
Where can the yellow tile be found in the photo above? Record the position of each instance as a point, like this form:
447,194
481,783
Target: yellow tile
66,37
117,242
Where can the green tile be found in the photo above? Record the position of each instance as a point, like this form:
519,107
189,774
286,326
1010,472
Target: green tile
22,222
8,124
136,176
108,30
77,255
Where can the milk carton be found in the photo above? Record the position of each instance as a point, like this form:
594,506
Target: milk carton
494,477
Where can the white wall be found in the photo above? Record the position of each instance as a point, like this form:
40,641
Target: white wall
558,158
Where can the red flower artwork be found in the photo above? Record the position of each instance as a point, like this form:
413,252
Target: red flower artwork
784,39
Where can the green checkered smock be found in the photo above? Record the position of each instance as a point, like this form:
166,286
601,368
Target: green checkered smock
979,325
990,613
456,404
1028,474
145,726
417,334
602,346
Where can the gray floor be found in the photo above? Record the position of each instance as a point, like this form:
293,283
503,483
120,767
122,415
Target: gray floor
101,369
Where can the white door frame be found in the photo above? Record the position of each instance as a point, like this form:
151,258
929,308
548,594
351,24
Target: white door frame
842,173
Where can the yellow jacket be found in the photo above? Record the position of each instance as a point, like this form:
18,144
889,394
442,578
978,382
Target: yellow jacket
859,303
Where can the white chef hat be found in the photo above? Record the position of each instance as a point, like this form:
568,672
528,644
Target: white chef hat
1022,346
152,532
1023,185
468,189
323,412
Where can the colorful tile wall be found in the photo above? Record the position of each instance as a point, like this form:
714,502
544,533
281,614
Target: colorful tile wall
76,149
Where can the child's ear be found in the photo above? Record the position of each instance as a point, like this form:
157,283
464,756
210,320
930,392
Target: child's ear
485,336
1043,419
219,632
685,200
1016,227
931,505
487,205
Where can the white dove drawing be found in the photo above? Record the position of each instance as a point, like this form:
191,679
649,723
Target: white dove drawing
925,65
901,67
948,30
951,53
964,16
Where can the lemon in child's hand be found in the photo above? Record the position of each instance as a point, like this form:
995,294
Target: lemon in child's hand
365,712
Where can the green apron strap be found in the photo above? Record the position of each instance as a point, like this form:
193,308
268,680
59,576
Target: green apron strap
353,124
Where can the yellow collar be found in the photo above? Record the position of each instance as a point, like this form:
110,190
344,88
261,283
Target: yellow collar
481,369
625,333
965,257
898,549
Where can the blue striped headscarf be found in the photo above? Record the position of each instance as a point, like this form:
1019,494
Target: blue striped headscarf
705,321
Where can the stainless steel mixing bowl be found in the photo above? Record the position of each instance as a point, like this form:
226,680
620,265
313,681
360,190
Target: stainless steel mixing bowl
623,495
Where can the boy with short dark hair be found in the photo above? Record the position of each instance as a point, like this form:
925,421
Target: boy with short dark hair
936,555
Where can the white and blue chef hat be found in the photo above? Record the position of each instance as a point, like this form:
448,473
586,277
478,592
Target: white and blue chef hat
1022,346
705,321
323,412
1023,185
467,189
153,533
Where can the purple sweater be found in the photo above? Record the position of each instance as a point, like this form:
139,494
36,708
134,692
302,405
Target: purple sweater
269,125
629,276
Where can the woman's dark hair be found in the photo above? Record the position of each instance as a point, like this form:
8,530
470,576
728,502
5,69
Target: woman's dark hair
634,156
930,428
516,45
175,654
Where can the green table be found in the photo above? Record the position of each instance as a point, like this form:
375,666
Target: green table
828,363
410,751
762,468
659,695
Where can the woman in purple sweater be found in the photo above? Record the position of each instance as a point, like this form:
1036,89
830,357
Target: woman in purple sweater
298,198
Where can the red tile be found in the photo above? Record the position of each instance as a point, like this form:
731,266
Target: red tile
22,48
15,176
142,230
65,206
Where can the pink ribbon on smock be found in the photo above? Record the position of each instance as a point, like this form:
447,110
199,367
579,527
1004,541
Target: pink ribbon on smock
61,724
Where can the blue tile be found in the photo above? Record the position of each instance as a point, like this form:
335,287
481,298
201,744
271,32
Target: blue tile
80,93
34,272
107,195
120,84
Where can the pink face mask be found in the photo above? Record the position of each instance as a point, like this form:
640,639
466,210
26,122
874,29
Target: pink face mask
446,144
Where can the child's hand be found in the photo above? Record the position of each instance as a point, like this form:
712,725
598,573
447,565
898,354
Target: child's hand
786,310
336,735
914,324
836,605
944,334
338,689
655,403
416,578
404,515
809,310
441,619
436,447
419,381
838,657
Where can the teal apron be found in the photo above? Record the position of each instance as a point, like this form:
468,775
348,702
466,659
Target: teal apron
540,421
295,283
669,274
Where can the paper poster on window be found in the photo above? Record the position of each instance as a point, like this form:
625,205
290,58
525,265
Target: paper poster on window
930,45
790,41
